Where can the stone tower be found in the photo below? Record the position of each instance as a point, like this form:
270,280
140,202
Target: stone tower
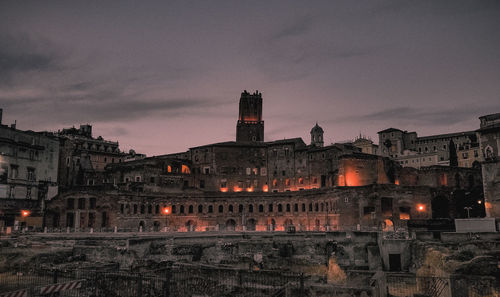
317,136
250,125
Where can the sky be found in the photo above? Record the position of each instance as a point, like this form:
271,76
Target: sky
163,76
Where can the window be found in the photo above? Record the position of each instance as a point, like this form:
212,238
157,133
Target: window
122,208
190,209
70,203
143,209
135,208
150,209
157,208
270,208
261,208
280,208
152,180
250,208
206,170
249,171
255,171
81,203
202,184
240,208
210,209
31,174
287,182
174,209
288,208
92,203
283,172
296,207
14,171
230,208
200,208
181,209
303,207
221,208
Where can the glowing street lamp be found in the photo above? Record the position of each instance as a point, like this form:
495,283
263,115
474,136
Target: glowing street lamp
420,207
25,213
166,212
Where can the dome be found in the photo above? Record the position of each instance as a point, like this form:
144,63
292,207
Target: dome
317,129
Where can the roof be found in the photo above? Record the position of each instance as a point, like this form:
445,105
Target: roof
317,128
390,130
297,141
489,117
449,135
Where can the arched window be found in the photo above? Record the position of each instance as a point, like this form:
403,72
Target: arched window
181,210
288,208
190,209
296,207
143,208
316,207
303,207
200,208
280,208
250,208
230,208
221,208
210,209
174,209
261,208
240,208
270,209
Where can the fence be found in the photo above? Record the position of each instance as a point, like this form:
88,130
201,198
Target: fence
176,281
401,285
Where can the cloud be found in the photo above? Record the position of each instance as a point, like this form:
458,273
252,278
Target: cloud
421,116
20,54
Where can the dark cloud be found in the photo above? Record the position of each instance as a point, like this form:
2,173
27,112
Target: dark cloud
20,54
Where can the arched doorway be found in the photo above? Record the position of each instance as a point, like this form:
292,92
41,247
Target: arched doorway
440,207
156,226
271,225
230,225
251,224
388,225
190,226
288,224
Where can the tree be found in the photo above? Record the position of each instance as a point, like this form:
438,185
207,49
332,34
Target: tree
453,154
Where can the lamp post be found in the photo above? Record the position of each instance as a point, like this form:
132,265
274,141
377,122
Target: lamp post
468,211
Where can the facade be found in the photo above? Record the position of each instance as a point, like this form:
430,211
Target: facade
489,138
82,157
401,145
28,173
366,145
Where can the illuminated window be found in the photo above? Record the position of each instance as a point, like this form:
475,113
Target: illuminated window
287,182
275,182
169,169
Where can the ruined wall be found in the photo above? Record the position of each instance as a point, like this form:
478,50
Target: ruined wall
332,209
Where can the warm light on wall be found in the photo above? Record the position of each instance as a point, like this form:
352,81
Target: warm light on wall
25,213
396,182
166,210
265,188
169,169
185,169
404,216
250,189
237,189
341,181
223,190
